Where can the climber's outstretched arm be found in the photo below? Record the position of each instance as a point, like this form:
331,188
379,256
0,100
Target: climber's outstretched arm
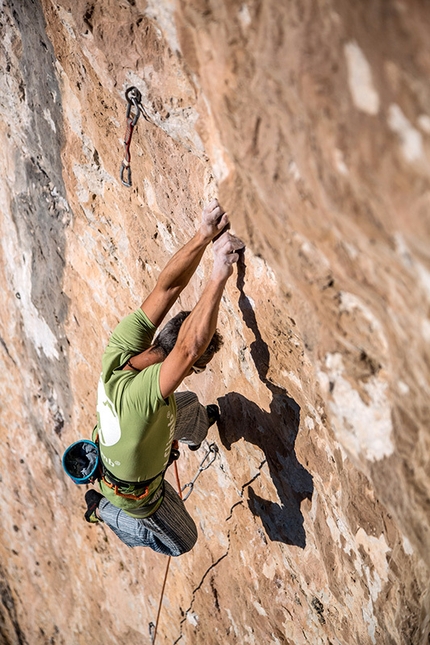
198,328
179,270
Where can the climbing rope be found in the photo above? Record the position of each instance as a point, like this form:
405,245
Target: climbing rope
207,460
134,101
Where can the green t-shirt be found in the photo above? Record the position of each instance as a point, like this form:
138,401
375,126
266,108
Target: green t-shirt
135,424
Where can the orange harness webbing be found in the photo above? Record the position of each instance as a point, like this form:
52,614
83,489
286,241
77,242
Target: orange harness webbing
116,490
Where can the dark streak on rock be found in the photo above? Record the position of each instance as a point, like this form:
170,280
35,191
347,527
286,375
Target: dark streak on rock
319,608
205,575
39,209
10,631
213,588
3,344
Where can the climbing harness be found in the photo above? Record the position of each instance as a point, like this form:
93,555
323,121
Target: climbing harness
122,488
134,101
207,460
132,490
119,493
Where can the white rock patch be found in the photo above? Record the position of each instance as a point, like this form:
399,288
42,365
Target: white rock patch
407,546
164,14
424,123
376,548
339,162
363,430
19,276
410,139
360,82
244,17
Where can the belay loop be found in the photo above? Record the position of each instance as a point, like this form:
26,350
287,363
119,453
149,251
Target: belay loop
134,100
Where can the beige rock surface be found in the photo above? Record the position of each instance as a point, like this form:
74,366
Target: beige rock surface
311,122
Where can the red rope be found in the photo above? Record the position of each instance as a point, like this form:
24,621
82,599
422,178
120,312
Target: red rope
178,483
161,600
127,141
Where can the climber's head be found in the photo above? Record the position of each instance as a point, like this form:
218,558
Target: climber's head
168,335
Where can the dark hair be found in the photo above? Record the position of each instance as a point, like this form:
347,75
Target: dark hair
168,335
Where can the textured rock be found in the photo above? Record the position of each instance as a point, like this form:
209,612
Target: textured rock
311,122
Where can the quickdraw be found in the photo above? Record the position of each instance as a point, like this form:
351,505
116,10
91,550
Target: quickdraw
207,460
134,100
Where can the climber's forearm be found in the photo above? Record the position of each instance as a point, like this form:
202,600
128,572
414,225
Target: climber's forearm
194,337
174,278
179,270
199,327
181,267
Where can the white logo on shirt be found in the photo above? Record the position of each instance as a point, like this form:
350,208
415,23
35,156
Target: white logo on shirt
110,431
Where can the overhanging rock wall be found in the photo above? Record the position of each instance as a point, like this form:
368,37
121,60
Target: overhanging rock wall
311,122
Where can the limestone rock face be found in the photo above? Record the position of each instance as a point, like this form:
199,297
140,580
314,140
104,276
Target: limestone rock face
311,123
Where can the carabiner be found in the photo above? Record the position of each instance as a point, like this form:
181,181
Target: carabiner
190,485
213,448
133,93
133,97
127,167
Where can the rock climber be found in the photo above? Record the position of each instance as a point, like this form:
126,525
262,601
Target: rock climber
139,415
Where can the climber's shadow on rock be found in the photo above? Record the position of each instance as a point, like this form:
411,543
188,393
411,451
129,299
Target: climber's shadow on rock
274,433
